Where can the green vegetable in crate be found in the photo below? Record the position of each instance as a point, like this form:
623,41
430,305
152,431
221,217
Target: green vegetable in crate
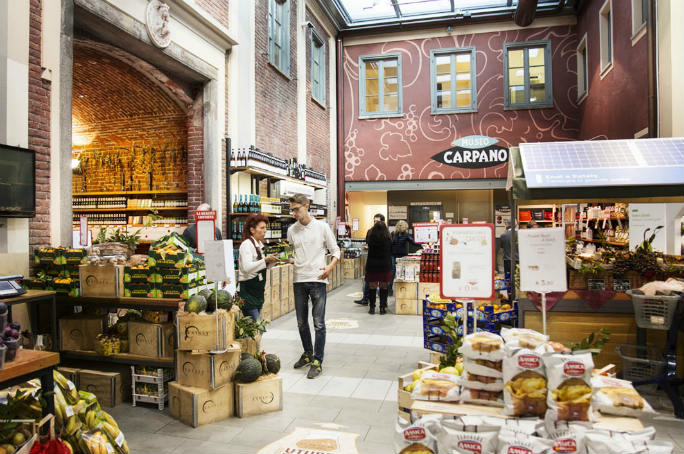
248,370
196,304
207,292
272,363
245,356
221,299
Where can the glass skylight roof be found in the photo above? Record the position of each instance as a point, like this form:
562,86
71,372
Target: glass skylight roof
365,12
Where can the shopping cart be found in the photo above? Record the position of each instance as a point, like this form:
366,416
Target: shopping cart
644,365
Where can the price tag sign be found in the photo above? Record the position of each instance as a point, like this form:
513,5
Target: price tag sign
355,224
426,232
467,261
218,260
83,230
206,228
542,260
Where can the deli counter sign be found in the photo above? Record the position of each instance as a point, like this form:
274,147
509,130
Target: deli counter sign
473,152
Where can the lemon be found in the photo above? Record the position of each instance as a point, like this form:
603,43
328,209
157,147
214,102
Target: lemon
417,374
18,439
451,370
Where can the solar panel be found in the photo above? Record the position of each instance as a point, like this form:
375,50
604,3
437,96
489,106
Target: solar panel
603,163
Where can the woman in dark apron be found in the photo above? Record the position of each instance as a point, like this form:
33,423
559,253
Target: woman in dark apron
252,265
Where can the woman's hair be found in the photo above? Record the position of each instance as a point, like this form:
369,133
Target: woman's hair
379,232
252,221
401,227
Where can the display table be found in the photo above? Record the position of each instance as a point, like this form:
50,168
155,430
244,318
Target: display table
30,364
33,298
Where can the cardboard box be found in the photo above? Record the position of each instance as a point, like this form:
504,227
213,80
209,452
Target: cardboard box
207,370
79,333
275,308
275,294
284,307
427,288
206,331
249,345
136,275
70,374
266,312
101,280
262,396
267,296
284,290
105,385
290,303
407,306
275,276
196,407
405,290
137,290
156,340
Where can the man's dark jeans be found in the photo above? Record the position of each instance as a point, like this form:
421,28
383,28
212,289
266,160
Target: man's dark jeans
316,291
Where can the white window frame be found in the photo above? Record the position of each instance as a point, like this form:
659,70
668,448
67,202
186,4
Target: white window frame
639,22
362,87
470,51
279,11
317,76
606,32
582,69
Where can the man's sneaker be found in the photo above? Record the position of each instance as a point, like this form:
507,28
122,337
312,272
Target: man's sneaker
305,360
315,369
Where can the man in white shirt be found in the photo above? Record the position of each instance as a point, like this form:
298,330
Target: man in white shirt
311,239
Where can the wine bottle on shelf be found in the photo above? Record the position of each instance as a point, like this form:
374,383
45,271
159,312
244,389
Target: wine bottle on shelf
235,204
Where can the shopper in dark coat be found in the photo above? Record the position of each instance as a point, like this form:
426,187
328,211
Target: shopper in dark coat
379,265
401,242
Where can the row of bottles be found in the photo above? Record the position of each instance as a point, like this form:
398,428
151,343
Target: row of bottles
103,219
255,158
98,202
276,229
156,203
249,203
147,220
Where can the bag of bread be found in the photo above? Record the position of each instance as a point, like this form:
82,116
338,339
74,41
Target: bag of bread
569,386
417,438
567,436
618,397
525,425
436,386
482,345
473,381
467,435
514,442
641,442
483,368
524,383
523,338
479,396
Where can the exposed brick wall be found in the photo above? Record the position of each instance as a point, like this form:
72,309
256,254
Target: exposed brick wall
217,8
224,195
195,179
317,116
124,128
39,131
276,94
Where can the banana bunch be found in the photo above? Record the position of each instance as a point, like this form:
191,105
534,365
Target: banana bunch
68,388
90,398
97,443
116,437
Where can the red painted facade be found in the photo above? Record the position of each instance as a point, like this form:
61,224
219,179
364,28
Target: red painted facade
616,107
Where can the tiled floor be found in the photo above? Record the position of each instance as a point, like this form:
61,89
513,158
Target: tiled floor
357,392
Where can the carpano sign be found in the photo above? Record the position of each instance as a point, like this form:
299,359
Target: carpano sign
473,152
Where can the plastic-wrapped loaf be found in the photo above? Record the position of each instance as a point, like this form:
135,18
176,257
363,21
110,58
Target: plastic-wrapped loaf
525,382
567,436
436,386
417,437
569,385
618,397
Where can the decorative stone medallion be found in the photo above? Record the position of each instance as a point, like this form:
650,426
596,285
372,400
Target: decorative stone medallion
157,23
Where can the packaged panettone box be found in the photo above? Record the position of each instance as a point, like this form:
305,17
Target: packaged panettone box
618,397
514,442
436,386
523,338
569,386
525,383
483,345
418,437
467,435
568,437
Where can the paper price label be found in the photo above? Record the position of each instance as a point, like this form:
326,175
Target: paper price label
119,439
109,447
657,320
69,411
70,385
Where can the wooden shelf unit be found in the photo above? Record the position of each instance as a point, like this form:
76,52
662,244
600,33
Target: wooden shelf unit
267,173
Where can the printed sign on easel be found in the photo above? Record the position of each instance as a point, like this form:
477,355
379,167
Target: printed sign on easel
206,228
467,261
218,259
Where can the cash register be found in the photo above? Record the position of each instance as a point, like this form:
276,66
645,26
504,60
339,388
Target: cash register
9,286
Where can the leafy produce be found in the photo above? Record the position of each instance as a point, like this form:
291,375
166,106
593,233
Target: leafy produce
272,363
593,342
451,356
196,304
246,327
248,370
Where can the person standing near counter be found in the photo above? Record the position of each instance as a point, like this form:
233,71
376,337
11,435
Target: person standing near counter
252,265
311,239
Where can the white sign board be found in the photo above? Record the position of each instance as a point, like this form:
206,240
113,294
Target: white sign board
355,224
76,239
397,212
502,214
206,228
467,261
425,232
542,260
644,216
218,259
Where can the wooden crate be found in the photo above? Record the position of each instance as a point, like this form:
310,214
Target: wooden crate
206,331
101,280
105,385
407,306
79,333
250,346
404,399
262,396
70,374
196,406
266,312
284,307
275,308
207,370
427,288
405,290
156,340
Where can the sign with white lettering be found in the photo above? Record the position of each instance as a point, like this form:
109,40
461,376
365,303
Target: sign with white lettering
473,152
425,232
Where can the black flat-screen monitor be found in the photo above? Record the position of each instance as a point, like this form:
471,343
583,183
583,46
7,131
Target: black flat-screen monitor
17,182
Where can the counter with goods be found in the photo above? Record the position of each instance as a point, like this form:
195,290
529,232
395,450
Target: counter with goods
519,390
